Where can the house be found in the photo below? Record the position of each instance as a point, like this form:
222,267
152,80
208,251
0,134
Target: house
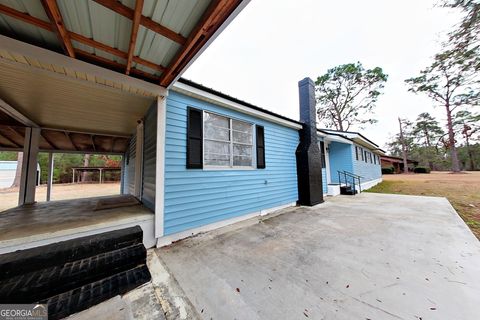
397,163
347,155
196,159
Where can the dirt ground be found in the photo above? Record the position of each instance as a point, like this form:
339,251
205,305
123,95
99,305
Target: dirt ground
462,190
9,197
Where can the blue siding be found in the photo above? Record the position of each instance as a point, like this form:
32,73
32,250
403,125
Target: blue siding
195,198
368,171
149,157
324,181
341,159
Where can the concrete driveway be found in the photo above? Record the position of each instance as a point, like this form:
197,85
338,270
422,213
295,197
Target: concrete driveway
371,256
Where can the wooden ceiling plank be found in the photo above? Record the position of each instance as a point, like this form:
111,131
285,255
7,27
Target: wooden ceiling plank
148,23
53,13
217,12
133,35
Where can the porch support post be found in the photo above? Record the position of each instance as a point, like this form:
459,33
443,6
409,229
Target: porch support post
28,181
73,175
160,166
137,190
101,173
50,175
309,163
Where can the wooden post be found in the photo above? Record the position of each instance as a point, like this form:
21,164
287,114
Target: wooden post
28,181
101,171
404,147
50,175
73,176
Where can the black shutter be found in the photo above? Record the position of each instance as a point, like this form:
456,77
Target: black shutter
260,147
194,138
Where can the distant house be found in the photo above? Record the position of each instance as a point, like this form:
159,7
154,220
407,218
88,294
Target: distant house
397,163
348,154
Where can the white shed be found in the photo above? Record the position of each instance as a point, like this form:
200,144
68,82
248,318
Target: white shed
7,173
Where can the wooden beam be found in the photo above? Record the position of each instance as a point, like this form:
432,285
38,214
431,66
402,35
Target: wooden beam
78,37
217,12
114,65
15,114
92,138
53,13
148,23
10,140
25,17
113,144
137,13
70,139
49,142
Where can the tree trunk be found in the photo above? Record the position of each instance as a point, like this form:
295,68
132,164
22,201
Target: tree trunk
86,162
18,171
451,138
404,148
470,154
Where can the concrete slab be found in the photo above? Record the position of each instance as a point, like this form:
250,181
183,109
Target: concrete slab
371,256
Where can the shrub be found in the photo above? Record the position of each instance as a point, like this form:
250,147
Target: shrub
388,170
421,170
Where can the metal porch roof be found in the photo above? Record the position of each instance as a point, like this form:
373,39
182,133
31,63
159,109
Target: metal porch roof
154,40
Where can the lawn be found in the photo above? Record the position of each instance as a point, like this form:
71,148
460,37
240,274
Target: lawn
9,197
462,190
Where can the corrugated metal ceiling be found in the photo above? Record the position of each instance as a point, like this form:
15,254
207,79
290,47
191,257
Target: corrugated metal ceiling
95,21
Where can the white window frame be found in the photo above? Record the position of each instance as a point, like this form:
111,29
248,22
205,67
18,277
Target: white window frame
231,166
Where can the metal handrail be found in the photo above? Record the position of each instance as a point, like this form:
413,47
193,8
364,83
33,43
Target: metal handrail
354,178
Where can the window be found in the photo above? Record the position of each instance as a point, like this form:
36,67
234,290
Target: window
365,156
226,142
322,153
374,159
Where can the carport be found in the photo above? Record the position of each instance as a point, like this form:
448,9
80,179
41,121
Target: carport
79,77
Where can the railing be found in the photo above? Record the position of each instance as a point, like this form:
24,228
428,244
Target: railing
353,177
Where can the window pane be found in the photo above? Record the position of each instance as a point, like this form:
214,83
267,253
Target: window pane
216,127
242,132
216,153
242,155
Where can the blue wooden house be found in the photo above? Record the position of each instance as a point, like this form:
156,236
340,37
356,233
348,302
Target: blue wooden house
225,160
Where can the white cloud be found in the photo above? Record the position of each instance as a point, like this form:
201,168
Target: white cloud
273,44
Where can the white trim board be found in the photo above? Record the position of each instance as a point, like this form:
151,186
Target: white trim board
145,221
164,241
367,185
209,97
230,18
160,166
57,59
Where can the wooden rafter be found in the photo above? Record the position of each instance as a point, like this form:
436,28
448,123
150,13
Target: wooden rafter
25,17
92,138
49,142
70,140
77,37
133,35
148,23
53,13
10,140
217,12
114,65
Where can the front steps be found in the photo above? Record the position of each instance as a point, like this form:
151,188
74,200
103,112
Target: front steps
74,275
348,190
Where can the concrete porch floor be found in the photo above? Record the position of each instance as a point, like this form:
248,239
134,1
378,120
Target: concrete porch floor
54,221
371,256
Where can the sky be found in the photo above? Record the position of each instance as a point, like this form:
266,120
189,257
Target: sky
272,44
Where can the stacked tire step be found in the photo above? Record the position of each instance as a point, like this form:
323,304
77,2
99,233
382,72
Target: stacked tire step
73,275
348,190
